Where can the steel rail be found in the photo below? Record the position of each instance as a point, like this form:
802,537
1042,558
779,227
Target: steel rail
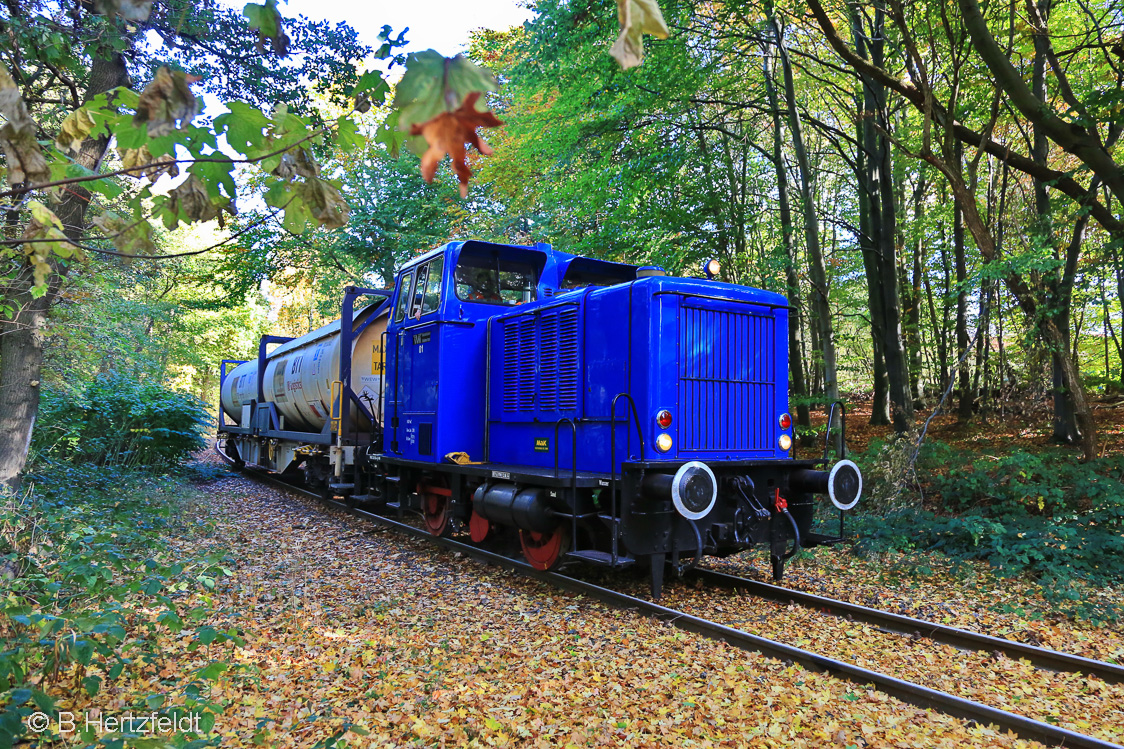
964,639
915,694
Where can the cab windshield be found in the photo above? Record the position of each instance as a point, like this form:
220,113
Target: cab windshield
486,278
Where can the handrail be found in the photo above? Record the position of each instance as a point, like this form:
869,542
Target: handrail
689,295
573,469
222,381
613,457
842,429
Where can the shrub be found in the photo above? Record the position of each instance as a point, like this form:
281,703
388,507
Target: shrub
118,420
1044,515
91,588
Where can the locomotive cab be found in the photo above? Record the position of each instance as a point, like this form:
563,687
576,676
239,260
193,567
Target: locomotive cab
436,342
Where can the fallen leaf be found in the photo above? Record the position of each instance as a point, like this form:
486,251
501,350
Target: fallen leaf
637,17
447,133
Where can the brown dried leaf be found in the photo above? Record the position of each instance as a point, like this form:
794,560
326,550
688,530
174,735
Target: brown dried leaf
637,17
26,163
191,200
153,168
448,132
324,202
297,162
166,103
130,10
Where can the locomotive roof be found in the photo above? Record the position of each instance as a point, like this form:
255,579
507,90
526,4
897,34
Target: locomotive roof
542,247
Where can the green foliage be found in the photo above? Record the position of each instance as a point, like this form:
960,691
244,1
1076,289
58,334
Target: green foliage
1044,515
119,420
89,589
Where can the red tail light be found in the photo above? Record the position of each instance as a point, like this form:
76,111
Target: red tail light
663,418
786,421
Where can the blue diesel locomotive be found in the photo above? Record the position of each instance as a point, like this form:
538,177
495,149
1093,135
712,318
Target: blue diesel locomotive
593,411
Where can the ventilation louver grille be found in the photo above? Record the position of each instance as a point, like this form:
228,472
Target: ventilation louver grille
727,393
540,362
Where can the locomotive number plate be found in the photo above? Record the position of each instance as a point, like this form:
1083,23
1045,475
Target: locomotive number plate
501,475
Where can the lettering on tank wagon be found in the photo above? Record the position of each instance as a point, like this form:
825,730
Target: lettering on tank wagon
377,359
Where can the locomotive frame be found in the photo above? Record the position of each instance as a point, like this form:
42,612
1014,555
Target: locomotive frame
523,375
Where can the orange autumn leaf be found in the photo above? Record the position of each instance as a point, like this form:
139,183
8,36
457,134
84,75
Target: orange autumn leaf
448,132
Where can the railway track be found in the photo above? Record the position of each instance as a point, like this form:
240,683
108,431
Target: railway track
912,693
963,639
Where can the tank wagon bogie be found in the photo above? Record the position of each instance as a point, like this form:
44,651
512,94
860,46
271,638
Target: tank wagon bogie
585,410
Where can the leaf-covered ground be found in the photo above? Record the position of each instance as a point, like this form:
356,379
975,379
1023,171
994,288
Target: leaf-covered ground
927,586
348,625
1075,701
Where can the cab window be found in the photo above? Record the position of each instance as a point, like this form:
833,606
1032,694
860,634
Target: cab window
432,298
419,292
403,296
583,272
490,280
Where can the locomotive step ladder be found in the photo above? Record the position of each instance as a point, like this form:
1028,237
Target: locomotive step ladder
614,558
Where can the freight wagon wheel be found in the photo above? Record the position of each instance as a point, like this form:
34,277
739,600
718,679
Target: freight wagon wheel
544,550
436,508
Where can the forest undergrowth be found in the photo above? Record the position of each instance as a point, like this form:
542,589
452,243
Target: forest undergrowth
996,490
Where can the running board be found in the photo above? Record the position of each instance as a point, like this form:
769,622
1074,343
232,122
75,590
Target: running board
603,558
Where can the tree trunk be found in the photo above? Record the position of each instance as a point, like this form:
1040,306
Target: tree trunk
792,278
21,340
880,405
964,411
1055,338
817,270
913,314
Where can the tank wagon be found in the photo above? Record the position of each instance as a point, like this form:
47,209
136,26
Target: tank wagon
586,410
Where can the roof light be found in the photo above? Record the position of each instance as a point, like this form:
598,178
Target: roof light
663,442
711,268
663,418
786,421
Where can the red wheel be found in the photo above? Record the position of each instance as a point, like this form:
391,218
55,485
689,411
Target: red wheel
544,550
478,528
435,508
